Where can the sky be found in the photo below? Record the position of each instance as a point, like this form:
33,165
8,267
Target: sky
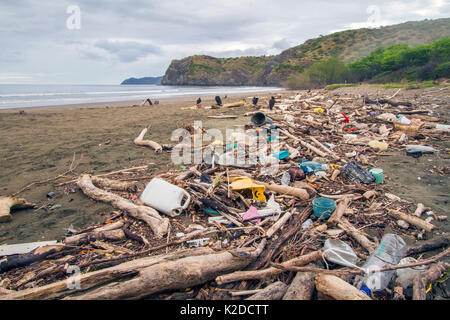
107,41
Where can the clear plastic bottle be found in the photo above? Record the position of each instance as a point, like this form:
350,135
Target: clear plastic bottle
391,250
311,166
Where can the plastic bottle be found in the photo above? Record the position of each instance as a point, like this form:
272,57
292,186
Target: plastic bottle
311,166
391,250
403,119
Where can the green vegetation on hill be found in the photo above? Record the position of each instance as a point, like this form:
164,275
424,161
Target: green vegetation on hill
347,46
394,63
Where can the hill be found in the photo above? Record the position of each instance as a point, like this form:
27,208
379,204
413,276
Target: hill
145,80
348,46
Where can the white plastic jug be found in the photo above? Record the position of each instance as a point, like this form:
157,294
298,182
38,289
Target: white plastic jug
165,197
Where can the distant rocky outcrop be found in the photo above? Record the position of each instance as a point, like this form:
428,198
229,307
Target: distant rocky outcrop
145,80
348,46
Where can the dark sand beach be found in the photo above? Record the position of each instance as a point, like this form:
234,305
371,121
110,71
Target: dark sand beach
40,144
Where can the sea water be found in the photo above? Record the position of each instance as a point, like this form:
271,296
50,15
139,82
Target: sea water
28,95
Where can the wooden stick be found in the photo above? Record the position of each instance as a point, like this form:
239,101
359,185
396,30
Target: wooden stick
305,144
357,235
9,203
339,212
268,272
412,220
139,141
277,225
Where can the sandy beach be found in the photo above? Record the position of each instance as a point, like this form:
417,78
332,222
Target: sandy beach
40,144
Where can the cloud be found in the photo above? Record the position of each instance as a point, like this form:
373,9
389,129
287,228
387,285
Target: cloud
118,39
127,50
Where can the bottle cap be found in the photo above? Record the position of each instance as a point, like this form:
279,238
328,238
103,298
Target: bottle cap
365,289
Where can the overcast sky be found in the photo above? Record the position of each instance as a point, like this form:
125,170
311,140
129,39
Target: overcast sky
41,41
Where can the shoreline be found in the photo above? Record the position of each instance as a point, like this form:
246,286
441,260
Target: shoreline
127,103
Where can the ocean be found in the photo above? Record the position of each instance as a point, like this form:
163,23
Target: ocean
24,95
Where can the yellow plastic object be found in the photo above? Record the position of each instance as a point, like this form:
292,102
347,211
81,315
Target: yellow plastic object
243,183
320,110
334,166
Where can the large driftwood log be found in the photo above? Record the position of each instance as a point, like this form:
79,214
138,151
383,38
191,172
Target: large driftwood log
337,288
301,287
159,225
274,291
171,275
93,279
139,141
106,183
264,273
9,203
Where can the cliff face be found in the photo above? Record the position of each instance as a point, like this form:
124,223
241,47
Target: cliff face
347,45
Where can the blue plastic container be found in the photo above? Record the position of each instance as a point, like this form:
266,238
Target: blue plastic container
323,207
281,155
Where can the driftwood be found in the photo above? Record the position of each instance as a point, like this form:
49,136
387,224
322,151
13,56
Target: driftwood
339,212
274,291
392,103
421,281
89,280
139,141
106,183
428,245
305,144
25,259
159,225
337,288
357,235
233,104
271,271
171,275
87,237
420,209
412,220
301,287
9,203
296,192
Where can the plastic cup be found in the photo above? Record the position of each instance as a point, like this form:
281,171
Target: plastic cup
378,174
323,207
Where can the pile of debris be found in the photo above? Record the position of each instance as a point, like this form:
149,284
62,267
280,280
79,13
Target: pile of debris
304,215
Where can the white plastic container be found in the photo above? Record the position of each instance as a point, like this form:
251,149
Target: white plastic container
165,197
